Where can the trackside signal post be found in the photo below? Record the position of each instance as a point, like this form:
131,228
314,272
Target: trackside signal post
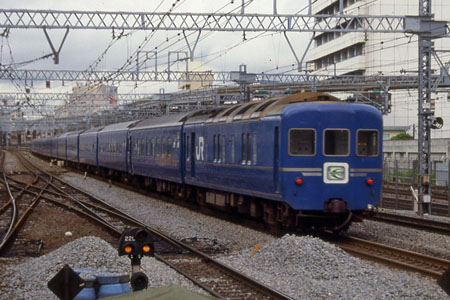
136,243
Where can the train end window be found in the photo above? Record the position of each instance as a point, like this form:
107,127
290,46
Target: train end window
302,142
336,142
367,143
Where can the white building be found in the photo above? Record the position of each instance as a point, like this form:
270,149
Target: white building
382,53
86,99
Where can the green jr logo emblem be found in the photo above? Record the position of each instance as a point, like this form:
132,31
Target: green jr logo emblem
336,173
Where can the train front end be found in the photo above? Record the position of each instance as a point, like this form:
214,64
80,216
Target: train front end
332,169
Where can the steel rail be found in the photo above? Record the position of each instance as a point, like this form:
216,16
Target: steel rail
404,259
27,164
411,221
232,274
12,203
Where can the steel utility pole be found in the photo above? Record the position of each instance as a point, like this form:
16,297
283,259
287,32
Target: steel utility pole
425,112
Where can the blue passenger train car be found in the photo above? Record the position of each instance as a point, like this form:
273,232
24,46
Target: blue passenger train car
72,142
88,145
302,160
156,147
113,146
61,146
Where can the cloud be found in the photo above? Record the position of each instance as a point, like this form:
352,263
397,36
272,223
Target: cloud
83,47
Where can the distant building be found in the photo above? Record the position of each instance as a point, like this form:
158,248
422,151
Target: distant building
206,78
406,151
85,98
98,95
360,53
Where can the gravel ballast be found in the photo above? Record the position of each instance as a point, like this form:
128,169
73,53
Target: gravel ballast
302,267
174,220
29,279
428,243
309,268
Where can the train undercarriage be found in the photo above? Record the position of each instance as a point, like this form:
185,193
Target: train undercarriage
334,217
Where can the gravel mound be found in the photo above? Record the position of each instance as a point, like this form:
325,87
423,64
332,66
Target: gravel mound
29,279
309,268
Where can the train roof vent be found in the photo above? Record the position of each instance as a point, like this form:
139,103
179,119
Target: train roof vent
201,116
214,114
224,116
261,108
240,114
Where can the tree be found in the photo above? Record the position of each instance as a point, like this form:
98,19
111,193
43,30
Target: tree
402,136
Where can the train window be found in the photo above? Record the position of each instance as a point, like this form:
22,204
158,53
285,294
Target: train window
169,147
336,142
163,147
302,142
153,147
254,149
158,149
249,149
215,148
244,148
232,150
186,141
145,143
222,148
367,143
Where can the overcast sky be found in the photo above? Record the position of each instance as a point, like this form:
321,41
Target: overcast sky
83,47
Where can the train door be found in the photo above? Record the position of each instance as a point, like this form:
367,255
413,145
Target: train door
129,151
187,153
276,159
192,154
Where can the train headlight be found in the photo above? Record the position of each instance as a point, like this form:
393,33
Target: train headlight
370,181
299,181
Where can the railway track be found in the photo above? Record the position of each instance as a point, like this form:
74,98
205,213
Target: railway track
399,197
403,259
209,276
204,271
8,206
412,222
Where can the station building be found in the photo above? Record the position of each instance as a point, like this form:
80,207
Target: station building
359,53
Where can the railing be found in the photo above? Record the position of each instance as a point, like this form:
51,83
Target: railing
400,180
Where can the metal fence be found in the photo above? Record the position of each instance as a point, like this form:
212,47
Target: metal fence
400,178
406,171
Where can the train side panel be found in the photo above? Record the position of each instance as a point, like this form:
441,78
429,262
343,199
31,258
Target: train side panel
155,152
61,144
234,157
88,147
113,146
72,141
